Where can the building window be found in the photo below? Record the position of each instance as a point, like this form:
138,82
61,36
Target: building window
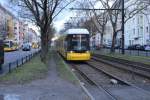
134,31
147,29
138,20
133,20
141,31
141,19
138,32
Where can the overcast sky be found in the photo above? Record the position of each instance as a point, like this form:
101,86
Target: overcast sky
61,19
58,22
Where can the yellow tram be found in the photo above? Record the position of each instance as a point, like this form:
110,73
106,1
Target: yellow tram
10,45
74,45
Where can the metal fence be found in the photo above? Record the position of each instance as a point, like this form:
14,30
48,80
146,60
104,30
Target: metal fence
8,67
128,52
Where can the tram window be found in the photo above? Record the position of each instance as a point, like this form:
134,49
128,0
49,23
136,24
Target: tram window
6,45
77,42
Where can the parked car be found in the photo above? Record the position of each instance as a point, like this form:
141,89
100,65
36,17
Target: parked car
135,47
147,47
117,47
108,46
26,47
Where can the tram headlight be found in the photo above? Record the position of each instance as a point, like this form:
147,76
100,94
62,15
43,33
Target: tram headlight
87,51
71,51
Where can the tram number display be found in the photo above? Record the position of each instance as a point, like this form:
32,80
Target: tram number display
78,37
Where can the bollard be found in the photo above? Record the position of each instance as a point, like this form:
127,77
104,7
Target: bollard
9,67
146,53
17,63
22,61
29,57
138,52
26,58
130,52
1,70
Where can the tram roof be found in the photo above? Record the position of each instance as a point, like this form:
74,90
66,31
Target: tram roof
77,31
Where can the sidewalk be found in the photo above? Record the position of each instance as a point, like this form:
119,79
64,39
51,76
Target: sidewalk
51,88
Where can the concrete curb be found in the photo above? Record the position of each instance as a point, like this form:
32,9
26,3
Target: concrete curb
78,81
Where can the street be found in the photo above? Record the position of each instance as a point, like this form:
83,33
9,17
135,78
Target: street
75,50
14,55
15,58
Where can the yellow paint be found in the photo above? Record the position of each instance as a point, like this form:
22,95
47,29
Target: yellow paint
6,49
78,56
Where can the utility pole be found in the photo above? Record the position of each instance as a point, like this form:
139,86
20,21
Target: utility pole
123,52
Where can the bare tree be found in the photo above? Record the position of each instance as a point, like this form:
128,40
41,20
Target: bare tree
98,18
114,17
132,8
43,12
88,24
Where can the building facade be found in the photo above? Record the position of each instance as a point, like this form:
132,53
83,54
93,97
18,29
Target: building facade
3,22
137,30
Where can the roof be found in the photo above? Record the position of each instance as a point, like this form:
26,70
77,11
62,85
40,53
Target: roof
77,31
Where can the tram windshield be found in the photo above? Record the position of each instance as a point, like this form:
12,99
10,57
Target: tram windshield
79,42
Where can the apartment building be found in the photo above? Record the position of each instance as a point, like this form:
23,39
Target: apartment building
137,30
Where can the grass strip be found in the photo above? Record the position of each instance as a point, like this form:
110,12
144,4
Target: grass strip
142,59
65,71
34,69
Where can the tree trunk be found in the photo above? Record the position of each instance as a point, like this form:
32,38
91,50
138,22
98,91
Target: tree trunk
101,41
113,43
44,46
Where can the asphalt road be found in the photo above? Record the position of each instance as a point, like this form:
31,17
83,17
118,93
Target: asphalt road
14,55
14,58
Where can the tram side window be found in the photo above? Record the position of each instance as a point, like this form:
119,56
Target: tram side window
6,44
85,42
68,43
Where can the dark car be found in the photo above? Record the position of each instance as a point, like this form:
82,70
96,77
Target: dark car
147,47
136,47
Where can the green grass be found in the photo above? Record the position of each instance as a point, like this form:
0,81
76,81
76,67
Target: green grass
65,71
142,59
31,70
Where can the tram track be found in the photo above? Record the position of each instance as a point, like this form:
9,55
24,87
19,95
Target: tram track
132,77
135,67
109,76
131,70
94,82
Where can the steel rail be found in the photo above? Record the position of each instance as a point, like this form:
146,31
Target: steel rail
130,84
97,85
110,63
138,65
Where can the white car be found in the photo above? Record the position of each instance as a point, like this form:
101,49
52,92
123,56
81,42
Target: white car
147,47
26,47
